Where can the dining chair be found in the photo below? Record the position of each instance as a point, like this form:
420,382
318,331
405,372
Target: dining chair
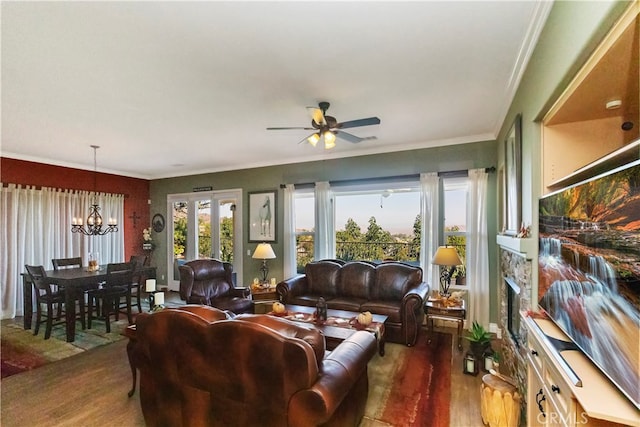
59,263
110,293
75,262
45,295
139,262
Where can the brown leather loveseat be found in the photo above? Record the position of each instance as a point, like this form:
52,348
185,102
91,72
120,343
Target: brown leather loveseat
210,282
390,288
209,370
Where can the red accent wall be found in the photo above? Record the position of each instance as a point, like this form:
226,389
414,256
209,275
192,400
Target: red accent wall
135,190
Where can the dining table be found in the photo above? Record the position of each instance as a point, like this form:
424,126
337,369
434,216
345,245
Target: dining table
71,280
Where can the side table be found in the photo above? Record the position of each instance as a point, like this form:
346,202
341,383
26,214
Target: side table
436,310
263,300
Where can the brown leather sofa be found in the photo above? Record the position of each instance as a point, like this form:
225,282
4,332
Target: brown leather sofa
210,282
390,288
203,368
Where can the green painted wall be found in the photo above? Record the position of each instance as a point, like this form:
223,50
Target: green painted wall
572,32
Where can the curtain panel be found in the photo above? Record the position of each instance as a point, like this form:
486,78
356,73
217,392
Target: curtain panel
429,213
478,248
35,228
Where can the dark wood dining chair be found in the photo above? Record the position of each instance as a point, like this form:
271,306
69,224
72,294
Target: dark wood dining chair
139,262
59,263
116,287
75,262
45,295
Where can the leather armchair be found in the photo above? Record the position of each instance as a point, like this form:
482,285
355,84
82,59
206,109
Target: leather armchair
210,282
246,371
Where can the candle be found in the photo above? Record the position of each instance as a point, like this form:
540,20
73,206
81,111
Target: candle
150,285
159,298
273,281
470,365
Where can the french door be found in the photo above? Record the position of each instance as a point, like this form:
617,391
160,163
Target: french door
204,225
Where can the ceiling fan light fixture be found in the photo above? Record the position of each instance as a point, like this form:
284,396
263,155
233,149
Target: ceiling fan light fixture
329,140
313,139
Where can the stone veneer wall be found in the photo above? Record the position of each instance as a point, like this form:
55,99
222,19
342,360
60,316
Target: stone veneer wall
514,355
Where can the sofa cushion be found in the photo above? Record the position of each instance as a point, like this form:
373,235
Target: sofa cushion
323,277
393,281
356,280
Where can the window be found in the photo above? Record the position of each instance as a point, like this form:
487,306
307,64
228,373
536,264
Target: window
305,227
374,222
378,223
455,221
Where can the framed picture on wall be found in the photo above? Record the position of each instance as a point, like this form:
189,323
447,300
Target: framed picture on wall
262,216
513,177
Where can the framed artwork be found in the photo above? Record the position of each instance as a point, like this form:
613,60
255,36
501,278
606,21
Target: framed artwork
157,223
262,216
513,177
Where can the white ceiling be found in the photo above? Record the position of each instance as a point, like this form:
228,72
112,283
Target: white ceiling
178,88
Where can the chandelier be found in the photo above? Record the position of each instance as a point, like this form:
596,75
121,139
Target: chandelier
93,226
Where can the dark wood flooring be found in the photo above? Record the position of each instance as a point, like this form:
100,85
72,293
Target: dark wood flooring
90,389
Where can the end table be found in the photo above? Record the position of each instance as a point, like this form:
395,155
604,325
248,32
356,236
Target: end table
436,310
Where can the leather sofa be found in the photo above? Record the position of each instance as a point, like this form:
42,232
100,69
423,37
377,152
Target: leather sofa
393,289
202,366
210,282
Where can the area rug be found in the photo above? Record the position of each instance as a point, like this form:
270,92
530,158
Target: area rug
21,351
420,388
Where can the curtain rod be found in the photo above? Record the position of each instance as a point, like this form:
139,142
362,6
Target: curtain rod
415,176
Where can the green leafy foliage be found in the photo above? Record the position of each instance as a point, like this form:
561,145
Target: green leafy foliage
478,334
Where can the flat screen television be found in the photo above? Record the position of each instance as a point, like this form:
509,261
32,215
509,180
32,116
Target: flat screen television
589,270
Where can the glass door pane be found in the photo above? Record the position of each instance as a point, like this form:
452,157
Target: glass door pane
180,214
204,229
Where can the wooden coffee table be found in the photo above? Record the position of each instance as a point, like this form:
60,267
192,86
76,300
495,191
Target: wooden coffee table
336,331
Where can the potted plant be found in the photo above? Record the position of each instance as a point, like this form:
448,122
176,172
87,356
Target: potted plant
479,339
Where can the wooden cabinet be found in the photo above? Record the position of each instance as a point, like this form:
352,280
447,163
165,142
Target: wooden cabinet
565,388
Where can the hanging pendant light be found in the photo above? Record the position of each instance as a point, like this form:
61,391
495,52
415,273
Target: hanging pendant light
93,226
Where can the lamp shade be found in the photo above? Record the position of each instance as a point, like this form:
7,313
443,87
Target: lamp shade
264,251
446,255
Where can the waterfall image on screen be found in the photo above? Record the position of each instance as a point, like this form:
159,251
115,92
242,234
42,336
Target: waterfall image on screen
589,271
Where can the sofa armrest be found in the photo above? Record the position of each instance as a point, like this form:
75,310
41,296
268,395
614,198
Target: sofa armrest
340,370
420,291
186,281
242,292
293,286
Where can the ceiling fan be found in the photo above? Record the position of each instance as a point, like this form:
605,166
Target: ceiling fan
327,127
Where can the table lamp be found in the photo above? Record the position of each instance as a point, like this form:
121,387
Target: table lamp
446,256
264,251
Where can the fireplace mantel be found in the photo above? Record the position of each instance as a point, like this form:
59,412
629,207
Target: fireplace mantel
522,246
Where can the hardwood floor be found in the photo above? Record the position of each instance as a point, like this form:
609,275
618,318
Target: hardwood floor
91,389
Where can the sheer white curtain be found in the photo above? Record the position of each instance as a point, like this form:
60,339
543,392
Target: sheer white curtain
289,262
429,212
36,227
477,248
325,240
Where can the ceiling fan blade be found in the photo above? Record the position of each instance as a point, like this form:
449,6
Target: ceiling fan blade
303,128
317,115
352,138
360,122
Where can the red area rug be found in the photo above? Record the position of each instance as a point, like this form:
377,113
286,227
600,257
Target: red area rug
411,386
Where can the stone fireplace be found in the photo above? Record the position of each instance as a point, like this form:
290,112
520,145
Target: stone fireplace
515,295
